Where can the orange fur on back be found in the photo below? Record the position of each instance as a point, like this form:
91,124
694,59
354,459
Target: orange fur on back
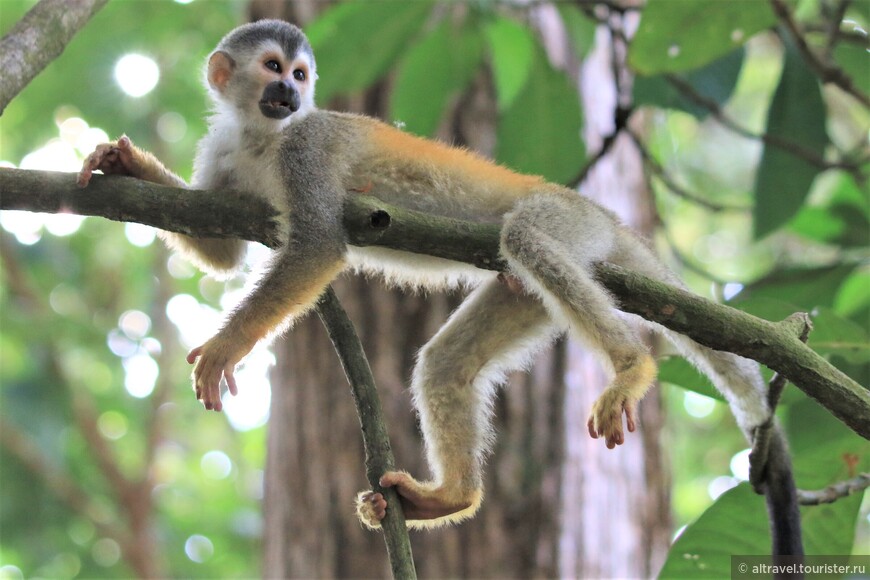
463,164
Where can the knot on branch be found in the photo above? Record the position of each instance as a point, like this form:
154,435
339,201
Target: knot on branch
798,324
380,219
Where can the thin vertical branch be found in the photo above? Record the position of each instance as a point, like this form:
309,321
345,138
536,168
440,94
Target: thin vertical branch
379,454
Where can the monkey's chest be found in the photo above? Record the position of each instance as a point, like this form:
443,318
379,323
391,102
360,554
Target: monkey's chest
255,175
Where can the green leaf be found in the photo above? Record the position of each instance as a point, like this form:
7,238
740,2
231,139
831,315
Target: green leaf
853,297
434,70
716,81
357,42
680,372
512,50
735,524
800,288
853,60
836,336
797,115
540,133
580,28
830,528
676,35
817,223
827,453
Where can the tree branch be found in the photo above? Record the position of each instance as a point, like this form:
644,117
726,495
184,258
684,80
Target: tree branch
376,440
37,39
828,72
371,222
687,90
836,491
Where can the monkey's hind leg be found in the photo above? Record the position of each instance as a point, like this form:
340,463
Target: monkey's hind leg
550,242
493,332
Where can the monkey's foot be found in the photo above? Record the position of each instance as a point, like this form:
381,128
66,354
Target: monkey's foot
622,396
118,158
217,359
426,505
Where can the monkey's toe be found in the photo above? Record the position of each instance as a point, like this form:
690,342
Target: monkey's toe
371,508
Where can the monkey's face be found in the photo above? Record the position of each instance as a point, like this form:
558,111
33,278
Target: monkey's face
265,85
286,80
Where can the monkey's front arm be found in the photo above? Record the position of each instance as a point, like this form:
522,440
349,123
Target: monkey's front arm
298,274
295,279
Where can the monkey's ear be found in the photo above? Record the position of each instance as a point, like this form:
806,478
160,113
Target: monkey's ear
220,70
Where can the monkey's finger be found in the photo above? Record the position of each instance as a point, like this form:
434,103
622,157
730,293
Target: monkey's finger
393,478
629,418
84,177
208,399
193,355
127,155
102,158
404,484
211,391
590,424
378,504
231,380
90,163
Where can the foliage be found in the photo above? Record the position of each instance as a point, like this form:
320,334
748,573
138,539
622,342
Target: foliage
800,244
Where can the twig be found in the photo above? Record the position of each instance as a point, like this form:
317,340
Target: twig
833,32
379,454
795,149
828,72
605,148
661,173
855,37
836,491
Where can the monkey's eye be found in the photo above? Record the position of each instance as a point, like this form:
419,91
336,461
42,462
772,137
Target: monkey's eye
273,65
299,74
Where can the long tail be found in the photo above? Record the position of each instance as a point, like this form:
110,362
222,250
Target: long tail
782,501
740,380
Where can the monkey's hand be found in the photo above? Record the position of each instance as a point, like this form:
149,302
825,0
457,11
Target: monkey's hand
214,360
426,505
121,157
621,396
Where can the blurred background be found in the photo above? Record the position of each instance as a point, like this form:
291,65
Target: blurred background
110,468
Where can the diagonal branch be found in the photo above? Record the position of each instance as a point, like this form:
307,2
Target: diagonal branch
37,39
369,221
828,72
687,90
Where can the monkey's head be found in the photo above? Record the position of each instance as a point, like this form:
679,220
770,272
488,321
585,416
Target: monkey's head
264,72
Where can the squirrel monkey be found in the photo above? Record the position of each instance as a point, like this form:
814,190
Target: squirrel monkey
267,138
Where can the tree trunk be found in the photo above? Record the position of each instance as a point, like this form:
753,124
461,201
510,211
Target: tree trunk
616,512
